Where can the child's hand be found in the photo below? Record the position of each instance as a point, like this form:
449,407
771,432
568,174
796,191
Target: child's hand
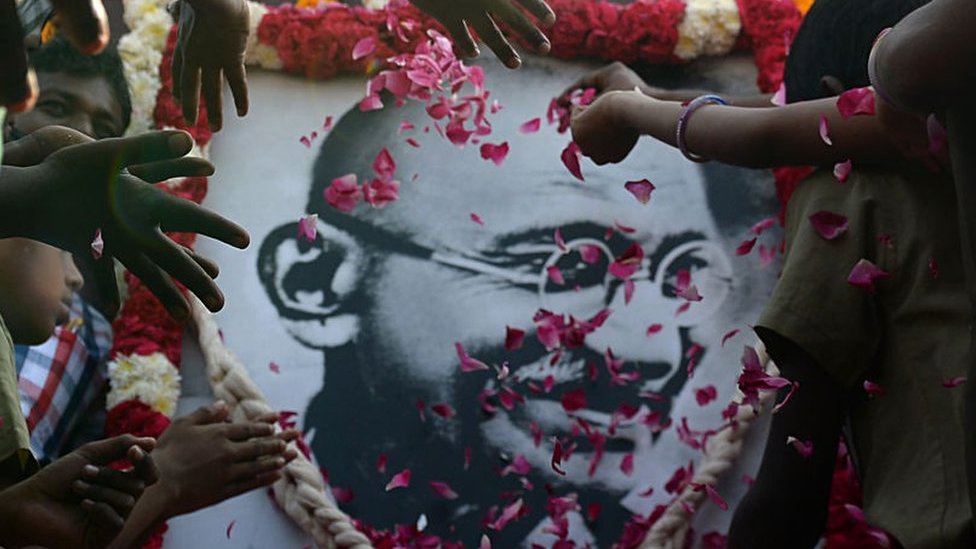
601,129
204,460
79,502
613,77
78,189
481,15
210,45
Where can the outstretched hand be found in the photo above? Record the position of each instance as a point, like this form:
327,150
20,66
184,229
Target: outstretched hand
83,22
483,16
210,45
613,77
78,501
204,460
601,129
80,188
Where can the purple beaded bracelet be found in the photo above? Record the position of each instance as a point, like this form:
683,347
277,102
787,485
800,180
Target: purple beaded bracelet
685,117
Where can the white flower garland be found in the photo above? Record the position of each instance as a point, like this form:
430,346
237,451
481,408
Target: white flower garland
151,379
141,51
710,27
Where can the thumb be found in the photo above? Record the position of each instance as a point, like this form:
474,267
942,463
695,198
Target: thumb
106,451
215,413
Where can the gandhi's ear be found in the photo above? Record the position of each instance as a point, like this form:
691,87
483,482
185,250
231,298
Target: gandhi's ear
313,285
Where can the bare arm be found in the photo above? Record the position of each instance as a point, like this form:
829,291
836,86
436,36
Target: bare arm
787,504
928,61
755,138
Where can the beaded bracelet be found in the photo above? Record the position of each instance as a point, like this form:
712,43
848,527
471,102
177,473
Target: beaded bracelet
685,117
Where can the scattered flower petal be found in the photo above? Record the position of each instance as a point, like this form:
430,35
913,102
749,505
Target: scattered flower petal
873,388
308,227
274,368
399,480
485,542
627,464
573,400
745,247
787,398
842,170
571,159
763,225
590,253
364,47
531,126
509,513
381,463
557,457
654,329
477,218
327,124
933,268
804,448
779,98
343,193
706,395
413,142
954,382
627,264
442,489
856,101
937,134
468,364
371,103
640,189
729,336
380,192
629,288
864,274
555,275
443,410
513,338
829,225
825,130
97,245
495,153
230,527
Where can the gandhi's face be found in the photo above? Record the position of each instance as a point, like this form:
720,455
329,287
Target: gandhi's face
432,277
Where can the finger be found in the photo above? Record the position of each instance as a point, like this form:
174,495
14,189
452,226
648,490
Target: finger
103,452
492,36
15,90
288,435
540,10
103,272
187,166
260,481
242,431
84,23
121,481
237,80
177,66
190,92
267,417
177,214
248,470
206,415
521,25
34,147
209,266
171,258
462,37
103,514
120,501
146,148
144,464
210,80
158,283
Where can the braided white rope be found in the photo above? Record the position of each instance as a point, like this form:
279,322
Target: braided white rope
721,451
301,491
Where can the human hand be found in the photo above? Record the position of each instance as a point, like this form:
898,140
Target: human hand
78,189
613,77
78,501
83,22
906,130
210,43
204,460
458,16
601,130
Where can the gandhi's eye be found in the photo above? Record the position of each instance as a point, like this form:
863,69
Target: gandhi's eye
583,264
691,261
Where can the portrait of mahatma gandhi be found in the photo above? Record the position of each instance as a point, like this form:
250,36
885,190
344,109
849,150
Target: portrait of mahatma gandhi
385,294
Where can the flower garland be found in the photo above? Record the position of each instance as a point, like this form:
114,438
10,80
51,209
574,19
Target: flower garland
319,44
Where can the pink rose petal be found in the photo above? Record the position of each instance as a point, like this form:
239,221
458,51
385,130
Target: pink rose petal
508,514
304,140
842,170
706,395
856,101
864,274
371,103
380,192
531,126
229,528
624,228
468,364
573,400
571,159
873,388
555,275
653,329
477,218
829,225
627,464
763,225
640,189
413,142
745,247
442,489
766,255
274,367
716,498
381,463
467,458
443,410
804,448
793,387
954,382
495,153
557,457
689,293
825,130
364,47
937,134
779,98
560,242
590,253
399,480
628,263
384,165
629,288
97,245
308,227
327,124
343,193
513,338
729,336
485,542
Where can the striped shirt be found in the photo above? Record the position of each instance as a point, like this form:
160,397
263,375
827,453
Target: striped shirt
62,380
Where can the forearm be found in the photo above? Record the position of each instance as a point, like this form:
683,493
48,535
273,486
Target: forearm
764,138
151,511
928,61
683,96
